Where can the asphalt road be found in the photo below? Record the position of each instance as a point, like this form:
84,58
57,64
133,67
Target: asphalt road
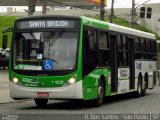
122,104
116,104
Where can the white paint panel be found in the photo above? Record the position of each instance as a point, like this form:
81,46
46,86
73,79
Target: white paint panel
145,67
136,83
123,84
68,92
78,90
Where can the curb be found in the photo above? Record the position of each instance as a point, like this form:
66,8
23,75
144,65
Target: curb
16,101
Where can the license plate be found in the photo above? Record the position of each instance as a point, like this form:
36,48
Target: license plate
43,94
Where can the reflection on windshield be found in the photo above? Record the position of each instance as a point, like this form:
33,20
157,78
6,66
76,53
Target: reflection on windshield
45,50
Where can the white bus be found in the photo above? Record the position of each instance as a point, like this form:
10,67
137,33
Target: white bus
69,57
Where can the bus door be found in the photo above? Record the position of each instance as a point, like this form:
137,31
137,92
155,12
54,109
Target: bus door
131,61
114,66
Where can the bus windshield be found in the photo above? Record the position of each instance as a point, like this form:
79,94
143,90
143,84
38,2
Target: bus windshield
51,50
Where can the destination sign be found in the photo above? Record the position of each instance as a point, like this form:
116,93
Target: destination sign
46,24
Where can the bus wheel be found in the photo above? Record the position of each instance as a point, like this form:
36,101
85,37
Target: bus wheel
144,91
138,93
41,102
100,95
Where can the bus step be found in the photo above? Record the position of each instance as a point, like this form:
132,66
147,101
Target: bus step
114,93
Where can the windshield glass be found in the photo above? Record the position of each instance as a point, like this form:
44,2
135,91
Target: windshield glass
54,50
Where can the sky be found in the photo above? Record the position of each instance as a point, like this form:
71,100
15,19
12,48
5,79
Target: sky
128,3
117,4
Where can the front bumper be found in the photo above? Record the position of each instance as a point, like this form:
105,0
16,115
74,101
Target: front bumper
68,92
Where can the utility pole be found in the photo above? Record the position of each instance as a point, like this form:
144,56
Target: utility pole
112,12
44,7
31,7
133,14
102,10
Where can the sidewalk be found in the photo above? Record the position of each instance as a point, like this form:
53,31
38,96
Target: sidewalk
4,87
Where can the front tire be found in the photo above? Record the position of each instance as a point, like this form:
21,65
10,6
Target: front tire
100,95
41,102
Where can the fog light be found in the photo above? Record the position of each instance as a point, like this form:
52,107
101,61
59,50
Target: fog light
72,80
15,80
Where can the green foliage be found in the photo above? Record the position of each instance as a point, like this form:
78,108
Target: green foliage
119,21
7,21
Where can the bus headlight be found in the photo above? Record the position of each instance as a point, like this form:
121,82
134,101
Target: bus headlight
72,80
15,80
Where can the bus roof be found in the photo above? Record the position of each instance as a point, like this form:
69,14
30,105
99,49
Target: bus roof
122,29
131,31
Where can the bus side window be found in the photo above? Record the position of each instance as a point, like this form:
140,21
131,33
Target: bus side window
88,51
137,48
153,51
120,51
148,45
124,50
103,49
137,44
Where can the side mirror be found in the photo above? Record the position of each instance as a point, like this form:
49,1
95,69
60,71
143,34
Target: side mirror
5,37
4,42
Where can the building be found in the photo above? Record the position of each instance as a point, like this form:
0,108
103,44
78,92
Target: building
153,23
